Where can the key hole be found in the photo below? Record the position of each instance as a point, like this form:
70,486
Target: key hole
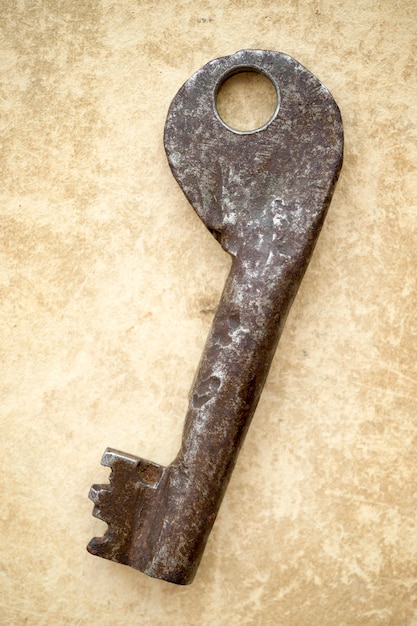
247,101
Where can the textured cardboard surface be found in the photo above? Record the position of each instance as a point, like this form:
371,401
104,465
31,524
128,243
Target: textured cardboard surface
108,286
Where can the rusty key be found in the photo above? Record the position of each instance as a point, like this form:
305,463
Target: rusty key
264,195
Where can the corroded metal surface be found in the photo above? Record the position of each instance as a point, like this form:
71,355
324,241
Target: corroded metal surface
264,195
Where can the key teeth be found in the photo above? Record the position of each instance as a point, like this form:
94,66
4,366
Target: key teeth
132,479
111,456
97,491
97,545
100,495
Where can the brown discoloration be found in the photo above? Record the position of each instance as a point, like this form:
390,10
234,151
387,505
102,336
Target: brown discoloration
264,196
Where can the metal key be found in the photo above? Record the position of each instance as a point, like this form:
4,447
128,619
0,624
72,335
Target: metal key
264,195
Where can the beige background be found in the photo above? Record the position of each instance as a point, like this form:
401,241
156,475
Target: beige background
108,286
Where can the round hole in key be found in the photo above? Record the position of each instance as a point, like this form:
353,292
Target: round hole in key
247,100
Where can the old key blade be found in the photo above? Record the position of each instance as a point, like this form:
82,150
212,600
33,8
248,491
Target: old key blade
264,195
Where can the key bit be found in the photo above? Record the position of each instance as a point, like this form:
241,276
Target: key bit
264,195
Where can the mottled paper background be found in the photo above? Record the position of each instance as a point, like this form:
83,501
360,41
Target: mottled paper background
108,286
